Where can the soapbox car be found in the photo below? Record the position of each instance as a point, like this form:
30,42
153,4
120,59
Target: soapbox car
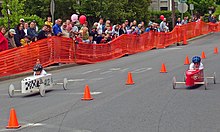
195,77
33,84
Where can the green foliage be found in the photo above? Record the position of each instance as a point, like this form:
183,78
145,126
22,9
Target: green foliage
16,11
202,6
217,11
155,16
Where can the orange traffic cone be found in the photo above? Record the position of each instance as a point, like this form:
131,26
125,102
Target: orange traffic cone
129,80
184,40
163,68
186,60
215,50
13,122
87,95
203,55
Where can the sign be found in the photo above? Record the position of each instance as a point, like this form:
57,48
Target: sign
191,6
52,7
182,7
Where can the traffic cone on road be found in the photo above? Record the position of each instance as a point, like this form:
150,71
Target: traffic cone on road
13,122
163,68
87,95
129,80
186,60
203,55
215,50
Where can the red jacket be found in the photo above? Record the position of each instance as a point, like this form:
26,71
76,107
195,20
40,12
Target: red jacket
3,42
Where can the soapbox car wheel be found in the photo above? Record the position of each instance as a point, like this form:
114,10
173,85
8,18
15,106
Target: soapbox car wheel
42,90
65,81
11,90
174,82
205,83
214,78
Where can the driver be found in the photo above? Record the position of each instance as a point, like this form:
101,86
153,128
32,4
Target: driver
196,64
38,70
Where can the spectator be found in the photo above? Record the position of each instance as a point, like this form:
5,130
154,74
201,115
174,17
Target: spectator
19,34
65,32
43,32
3,40
10,37
85,34
56,28
91,40
49,22
100,28
127,27
22,21
123,30
35,26
26,40
32,32
178,22
25,28
94,33
68,25
163,26
185,20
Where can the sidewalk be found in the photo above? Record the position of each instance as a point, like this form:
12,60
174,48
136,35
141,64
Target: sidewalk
62,66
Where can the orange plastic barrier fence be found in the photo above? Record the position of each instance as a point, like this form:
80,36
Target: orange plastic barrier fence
63,50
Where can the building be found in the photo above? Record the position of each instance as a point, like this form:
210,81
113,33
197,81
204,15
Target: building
161,5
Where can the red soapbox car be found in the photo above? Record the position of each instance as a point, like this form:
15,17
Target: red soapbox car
194,77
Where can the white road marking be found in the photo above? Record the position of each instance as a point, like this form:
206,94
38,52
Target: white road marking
106,72
76,80
92,93
90,71
141,70
114,69
171,48
23,126
123,70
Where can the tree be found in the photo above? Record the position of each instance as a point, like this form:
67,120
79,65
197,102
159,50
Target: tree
12,12
202,6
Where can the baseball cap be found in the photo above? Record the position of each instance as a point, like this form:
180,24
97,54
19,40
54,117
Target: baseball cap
12,31
22,19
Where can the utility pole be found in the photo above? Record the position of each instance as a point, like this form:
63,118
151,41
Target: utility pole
173,13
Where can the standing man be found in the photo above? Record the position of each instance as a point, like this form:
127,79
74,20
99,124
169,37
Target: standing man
57,29
10,37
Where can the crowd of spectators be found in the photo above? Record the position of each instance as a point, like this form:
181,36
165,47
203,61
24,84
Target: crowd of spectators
100,32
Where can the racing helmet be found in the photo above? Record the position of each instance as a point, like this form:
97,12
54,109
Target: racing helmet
196,59
38,67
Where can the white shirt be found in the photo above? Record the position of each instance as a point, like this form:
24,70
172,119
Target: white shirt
191,66
43,72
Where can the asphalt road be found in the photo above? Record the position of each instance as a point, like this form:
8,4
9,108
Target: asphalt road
150,105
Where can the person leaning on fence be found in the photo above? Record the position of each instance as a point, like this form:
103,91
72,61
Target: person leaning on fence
10,37
19,34
26,40
57,28
32,32
3,40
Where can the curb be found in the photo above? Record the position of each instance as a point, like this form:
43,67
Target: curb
63,66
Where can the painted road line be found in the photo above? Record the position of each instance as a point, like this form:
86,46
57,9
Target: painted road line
76,80
141,70
87,72
123,70
92,93
23,126
106,72
114,69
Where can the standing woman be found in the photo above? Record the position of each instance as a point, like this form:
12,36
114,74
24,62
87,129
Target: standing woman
19,34
3,40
